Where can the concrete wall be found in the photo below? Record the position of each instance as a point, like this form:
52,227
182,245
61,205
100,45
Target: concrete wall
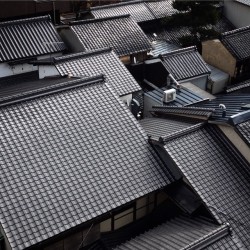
237,13
215,53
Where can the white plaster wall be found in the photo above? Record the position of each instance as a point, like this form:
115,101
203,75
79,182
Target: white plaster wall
126,99
47,70
237,13
10,70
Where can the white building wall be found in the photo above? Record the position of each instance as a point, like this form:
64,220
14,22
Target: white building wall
237,13
10,70
126,99
47,70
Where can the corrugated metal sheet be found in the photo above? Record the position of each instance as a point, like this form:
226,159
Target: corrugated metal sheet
27,38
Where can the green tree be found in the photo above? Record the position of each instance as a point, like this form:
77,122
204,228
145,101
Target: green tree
198,16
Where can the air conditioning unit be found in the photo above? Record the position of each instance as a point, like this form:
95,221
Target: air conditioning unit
169,95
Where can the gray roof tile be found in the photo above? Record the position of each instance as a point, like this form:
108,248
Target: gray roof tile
140,11
181,233
162,8
185,63
121,33
233,103
160,127
81,139
237,41
27,38
238,87
218,173
244,130
137,9
99,62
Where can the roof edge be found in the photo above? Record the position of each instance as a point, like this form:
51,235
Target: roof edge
182,132
116,5
238,86
97,20
74,56
26,20
30,95
210,238
239,118
235,31
182,50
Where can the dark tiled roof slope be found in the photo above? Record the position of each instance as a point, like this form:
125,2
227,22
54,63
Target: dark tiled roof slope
185,63
233,103
15,87
238,86
244,130
68,157
120,33
161,9
184,97
28,38
99,62
137,9
159,127
178,233
219,175
237,42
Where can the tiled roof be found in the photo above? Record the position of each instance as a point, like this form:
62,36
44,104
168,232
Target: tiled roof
244,130
237,41
162,47
102,61
162,8
232,102
28,38
185,63
68,156
138,10
218,173
238,86
186,111
246,2
184,97
180,233
160,127
15,87
121,33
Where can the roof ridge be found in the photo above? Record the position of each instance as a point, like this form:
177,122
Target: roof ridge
238,86
183,108
235,31
210,238
64,58
116,5
182,132
182,50
33,94
96,20
26,20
